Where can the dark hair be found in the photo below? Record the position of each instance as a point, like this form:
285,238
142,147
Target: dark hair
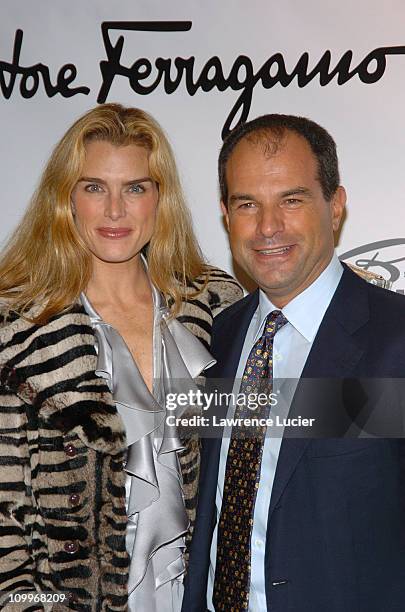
321,142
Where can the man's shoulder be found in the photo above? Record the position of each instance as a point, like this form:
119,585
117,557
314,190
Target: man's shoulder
375,315
383,302
387,309
388,297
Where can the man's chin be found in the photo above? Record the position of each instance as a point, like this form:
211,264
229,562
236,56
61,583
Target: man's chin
272,276
275,285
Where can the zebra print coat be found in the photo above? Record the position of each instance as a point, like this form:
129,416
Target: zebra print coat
62,447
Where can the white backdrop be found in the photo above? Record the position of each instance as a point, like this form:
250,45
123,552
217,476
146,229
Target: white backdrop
367,119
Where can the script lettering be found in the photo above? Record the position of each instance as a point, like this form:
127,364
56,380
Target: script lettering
145,75
31,76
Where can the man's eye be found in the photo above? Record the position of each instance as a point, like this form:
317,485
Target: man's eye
93,188
247,205
292,201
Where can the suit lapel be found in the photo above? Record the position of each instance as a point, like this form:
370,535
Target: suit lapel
229,337
336,349
335,353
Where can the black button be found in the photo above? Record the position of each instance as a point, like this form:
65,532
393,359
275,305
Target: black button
74,499
71,547
70,450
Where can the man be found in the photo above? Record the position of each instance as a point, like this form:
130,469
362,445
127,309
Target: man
298,524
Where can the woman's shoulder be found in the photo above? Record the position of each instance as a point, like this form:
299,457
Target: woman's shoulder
15,340
208,295
20,333
12,323
36,356
219,291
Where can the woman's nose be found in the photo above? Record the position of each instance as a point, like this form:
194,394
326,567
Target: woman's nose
115,206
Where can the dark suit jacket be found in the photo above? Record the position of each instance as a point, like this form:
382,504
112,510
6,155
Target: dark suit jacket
335,533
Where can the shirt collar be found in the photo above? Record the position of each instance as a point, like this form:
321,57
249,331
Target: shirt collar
306,311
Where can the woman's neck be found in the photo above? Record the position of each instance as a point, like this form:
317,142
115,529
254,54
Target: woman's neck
125,283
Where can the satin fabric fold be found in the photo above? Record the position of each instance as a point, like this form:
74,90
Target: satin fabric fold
157,521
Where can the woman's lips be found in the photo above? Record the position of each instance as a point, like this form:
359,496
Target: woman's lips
114,232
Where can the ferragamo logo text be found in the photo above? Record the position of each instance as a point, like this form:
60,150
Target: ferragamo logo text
170,73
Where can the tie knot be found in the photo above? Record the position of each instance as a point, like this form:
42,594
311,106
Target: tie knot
274,321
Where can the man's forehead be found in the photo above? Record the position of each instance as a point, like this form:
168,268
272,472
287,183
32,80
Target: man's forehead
270,149
291,164
271,142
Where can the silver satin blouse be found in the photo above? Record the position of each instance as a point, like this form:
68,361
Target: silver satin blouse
157,521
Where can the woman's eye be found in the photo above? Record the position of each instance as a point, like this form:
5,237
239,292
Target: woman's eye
93,188
136,188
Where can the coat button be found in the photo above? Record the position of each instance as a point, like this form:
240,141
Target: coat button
70,450
71,547
74,499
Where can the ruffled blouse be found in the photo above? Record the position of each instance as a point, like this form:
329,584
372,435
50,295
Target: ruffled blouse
157,521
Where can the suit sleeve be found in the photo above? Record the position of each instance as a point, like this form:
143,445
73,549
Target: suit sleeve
17,514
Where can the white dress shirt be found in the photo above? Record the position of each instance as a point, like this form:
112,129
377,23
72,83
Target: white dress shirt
291,347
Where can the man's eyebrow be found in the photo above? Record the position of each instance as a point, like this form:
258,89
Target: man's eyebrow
236,197
93,179
296,191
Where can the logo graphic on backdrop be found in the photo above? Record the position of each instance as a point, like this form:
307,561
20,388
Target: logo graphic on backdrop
145,76
384,257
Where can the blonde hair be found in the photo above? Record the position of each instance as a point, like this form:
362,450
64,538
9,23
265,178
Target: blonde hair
47,263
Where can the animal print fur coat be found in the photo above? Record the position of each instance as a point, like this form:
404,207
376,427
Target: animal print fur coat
62,447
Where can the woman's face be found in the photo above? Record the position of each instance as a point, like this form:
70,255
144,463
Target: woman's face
115,200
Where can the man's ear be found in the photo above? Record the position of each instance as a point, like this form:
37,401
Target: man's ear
338,206
225,212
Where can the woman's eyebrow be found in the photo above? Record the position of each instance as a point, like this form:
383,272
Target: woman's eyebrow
94,179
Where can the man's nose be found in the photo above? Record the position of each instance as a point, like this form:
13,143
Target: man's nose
115,206
270,221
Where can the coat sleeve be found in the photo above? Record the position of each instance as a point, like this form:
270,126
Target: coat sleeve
17,514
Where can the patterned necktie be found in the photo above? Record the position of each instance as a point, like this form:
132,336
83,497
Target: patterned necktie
242,475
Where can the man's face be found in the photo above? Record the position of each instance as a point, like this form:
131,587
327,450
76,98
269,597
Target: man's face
280,225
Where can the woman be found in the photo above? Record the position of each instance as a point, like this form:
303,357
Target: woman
88,351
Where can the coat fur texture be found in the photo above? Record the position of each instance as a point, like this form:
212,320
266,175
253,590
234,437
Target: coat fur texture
62,447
